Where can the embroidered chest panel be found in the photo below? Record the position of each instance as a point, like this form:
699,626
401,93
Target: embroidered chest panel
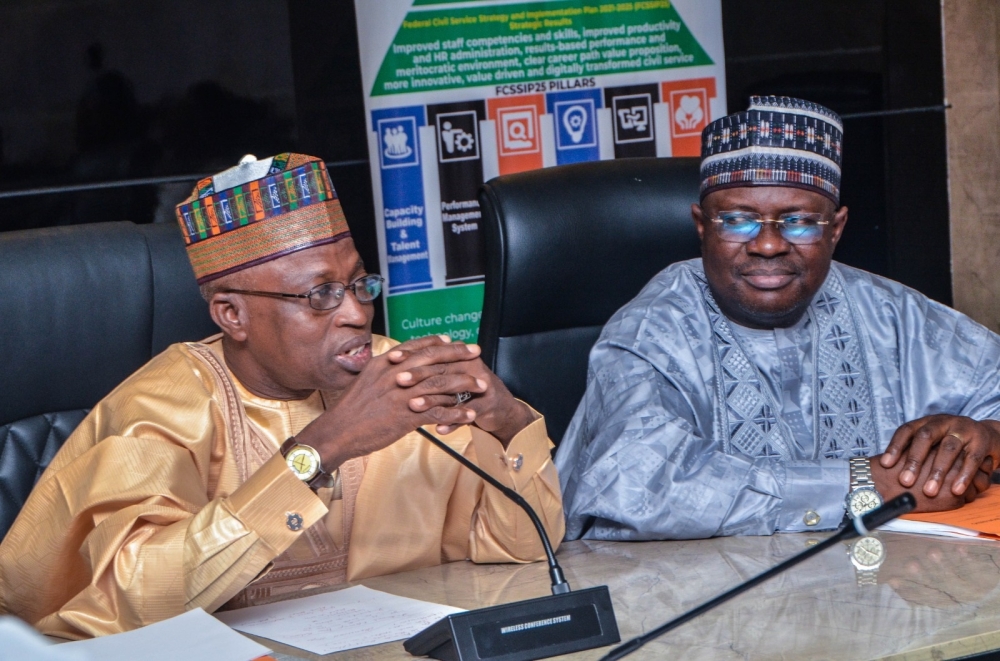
844,416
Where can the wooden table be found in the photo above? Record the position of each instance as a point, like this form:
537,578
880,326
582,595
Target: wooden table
935,598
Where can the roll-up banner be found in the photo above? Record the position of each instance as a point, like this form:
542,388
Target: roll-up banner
460,91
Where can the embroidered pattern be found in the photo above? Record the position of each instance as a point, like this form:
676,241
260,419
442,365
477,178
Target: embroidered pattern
844,414
749,413
778,141
314,559
293,207
223,211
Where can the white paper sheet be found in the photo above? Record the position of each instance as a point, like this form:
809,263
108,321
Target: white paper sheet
926,528
19,641
193,636
337,621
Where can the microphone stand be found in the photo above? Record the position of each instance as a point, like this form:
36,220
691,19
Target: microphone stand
896,507
559,583
524,630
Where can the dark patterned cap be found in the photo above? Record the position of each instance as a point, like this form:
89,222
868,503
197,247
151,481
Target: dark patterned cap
778,141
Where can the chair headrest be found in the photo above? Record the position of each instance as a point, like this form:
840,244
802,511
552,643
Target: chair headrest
83,307
623,221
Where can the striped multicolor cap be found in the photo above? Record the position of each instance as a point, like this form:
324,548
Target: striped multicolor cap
778,141
259,211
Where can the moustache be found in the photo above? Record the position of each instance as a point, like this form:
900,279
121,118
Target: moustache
767,267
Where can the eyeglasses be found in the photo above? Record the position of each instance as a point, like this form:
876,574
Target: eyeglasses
744,226
328,295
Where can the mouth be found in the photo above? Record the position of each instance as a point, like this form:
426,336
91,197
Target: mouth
768,279
354,355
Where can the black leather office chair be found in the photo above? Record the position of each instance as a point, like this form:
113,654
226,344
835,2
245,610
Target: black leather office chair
81,308
565,248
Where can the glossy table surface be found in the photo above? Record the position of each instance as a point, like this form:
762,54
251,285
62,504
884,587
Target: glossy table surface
935,598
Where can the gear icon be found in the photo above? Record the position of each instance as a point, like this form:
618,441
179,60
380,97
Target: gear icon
463,141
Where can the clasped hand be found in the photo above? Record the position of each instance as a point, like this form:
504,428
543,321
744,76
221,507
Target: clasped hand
412,385
949,458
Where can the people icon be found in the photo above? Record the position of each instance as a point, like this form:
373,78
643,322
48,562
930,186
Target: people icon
395,140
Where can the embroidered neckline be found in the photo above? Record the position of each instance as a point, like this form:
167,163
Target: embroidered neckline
844,415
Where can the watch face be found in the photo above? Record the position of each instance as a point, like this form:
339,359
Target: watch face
867,553
864,501
304,462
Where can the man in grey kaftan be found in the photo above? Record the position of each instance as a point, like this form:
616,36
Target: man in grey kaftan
740,393
693,426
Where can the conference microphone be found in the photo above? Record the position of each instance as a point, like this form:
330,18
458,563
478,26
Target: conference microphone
523,630
858,527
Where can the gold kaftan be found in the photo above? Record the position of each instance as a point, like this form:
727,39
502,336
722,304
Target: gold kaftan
171,496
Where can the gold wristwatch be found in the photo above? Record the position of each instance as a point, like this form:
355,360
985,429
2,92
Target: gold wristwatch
304,462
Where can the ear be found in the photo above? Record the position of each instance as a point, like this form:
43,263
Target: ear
698,216
229,312
837,225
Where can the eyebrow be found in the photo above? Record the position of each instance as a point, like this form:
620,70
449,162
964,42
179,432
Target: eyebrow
359,266
795,208
325,276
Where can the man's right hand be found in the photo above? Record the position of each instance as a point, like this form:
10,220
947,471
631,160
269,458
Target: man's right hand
888,485
373,412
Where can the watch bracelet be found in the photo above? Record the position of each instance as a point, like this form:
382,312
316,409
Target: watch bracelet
866,577
861,473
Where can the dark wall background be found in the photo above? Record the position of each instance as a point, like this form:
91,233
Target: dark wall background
113,90
858,56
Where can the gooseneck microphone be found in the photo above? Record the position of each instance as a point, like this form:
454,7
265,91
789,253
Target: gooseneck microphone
524,630
860,526
559,584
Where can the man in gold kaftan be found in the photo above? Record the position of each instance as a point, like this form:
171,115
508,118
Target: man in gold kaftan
175,493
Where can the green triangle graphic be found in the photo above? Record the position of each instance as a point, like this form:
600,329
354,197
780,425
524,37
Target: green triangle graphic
449,48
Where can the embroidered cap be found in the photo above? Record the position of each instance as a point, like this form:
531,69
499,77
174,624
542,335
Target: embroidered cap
258,211
777,141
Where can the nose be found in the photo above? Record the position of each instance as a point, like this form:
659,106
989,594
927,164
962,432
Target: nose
351,312
769,242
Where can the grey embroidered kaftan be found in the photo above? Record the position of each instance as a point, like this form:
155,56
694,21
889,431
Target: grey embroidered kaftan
694,427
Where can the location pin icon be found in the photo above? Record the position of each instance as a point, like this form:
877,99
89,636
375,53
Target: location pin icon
575,121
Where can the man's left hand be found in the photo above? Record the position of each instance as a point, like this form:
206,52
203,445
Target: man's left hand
497,412
977,443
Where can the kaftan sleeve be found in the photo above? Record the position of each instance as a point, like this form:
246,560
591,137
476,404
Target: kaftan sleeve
984,399
970,346
936,359
500,531
121,532
634,466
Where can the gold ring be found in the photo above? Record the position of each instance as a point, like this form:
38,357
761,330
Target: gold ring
960,439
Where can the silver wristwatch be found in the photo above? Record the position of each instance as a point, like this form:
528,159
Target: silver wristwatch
862,498
867,555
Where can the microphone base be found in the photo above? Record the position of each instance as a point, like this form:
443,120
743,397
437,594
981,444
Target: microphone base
523,630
